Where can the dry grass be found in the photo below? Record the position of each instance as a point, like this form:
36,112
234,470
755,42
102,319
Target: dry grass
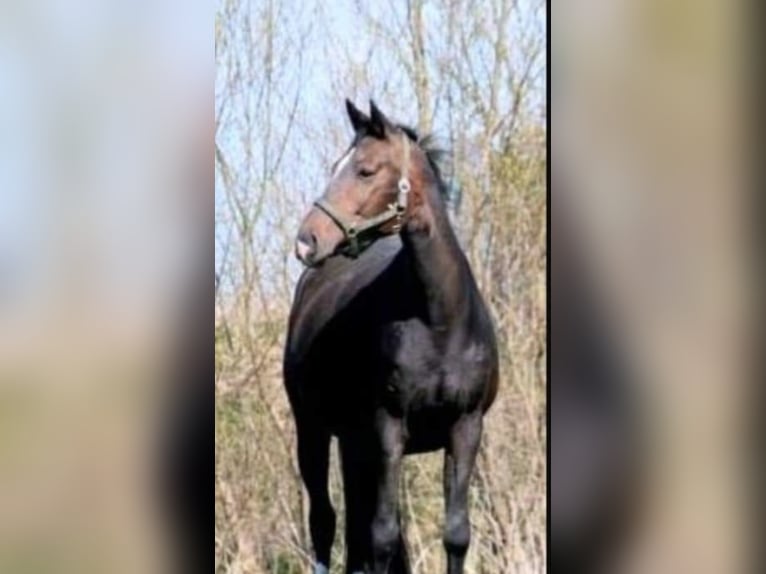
261,506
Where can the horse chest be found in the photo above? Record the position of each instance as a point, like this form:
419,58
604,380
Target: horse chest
423,376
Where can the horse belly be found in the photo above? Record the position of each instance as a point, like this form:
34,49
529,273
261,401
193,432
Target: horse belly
428,430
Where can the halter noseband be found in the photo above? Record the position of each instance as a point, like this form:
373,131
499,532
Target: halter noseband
359,233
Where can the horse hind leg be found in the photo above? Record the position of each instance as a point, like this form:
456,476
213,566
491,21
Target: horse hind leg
360,479
313,461
400,563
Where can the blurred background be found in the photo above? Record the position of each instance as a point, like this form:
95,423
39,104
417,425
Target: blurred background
106,201
652,288
107,406
472,73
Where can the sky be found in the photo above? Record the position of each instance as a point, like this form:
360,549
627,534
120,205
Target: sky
338,48
92,96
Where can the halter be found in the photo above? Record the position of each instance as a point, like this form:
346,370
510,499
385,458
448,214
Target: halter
359,233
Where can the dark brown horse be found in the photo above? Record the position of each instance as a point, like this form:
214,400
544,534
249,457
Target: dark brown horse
390,346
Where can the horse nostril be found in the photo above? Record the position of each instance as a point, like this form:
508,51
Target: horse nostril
302,250
305,246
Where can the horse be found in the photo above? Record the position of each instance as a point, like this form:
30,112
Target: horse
390,345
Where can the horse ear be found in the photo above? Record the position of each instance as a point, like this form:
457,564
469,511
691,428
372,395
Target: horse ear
379,123
359,119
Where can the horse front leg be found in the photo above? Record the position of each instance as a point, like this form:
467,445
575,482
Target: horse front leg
359,492
459,460
313,461
385,524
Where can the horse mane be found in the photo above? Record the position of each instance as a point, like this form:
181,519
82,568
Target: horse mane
438,156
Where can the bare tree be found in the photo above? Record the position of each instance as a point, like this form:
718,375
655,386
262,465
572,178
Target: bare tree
472,72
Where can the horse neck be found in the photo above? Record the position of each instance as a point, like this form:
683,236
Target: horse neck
438,260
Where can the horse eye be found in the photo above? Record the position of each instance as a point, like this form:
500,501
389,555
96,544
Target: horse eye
366,172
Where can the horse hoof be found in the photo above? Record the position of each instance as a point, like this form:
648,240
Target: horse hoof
321,569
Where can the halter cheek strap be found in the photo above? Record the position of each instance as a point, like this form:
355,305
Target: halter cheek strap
362,232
